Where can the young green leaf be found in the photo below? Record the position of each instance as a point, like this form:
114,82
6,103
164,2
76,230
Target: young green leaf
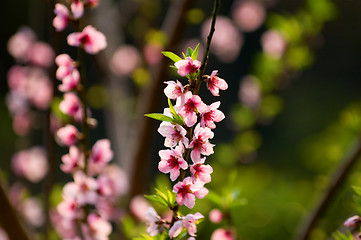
157,199
195,53
172,56
189,52
177,118
160,117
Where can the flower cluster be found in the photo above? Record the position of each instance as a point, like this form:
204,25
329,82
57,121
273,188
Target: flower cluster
187,128
89,201
27,77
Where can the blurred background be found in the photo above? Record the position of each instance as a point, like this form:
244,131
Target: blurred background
293,106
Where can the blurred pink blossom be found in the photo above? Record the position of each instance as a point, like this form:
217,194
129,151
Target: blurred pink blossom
62,17
152,53
77,8
39,80
3,235
66,66
352,221
249,91
125,60
227,41
248,15
65,227
72,161
31,164
22,122
223,234
188,222
17,77
152,220
96,228
20,43
92,40
32,210
41,54
215,215
67,135
273,43
113,182
139,206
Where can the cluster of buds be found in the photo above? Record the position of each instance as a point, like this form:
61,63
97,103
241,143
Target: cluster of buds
89,201
187,128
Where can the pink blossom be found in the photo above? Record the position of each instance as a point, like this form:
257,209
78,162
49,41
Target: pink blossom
152,53
125,60
17,79
22,122
248,15
72,161
188,222
173,134
192,104
138,207
20,43
70,82
67,135
71,105
352,221
215,215
92,40
65,227
77,8
187,66
172,161
31,163
187,191
201,172
32,210
62,17
113,182
100,156
223,234
39,80
69,208
96,228
109,209
249,92
200,143
3,235
212,115
215,83
82,190
41,54
152,220
66,66
174,89
273,43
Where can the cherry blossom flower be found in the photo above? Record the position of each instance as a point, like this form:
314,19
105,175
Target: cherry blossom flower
65,227
200,143
41,54
192,103
112,182
71,105
96,228
83,189
70,82
32,210
125,60
92,40
31,163
248,15
215,215
273,43
188,222
72,161
77,8
187,66
201,172
172,161
69,208
187,191
22,122
100,156
67,135
39,80
212,115
173,134
138,207
214,83
152,219
223,234
352,221
20,43
62,17
174,89
66,66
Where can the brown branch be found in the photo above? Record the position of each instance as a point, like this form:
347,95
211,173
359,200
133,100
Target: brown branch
336,182
9,220
173,27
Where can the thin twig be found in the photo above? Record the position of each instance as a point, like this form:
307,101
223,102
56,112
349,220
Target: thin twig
336,182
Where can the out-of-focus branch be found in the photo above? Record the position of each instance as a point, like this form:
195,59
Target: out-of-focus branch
8,219
336,182
173,28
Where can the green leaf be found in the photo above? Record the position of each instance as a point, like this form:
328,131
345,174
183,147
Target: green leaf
195,53
160,117
161,198
178,119
157,199
172,56
189,52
